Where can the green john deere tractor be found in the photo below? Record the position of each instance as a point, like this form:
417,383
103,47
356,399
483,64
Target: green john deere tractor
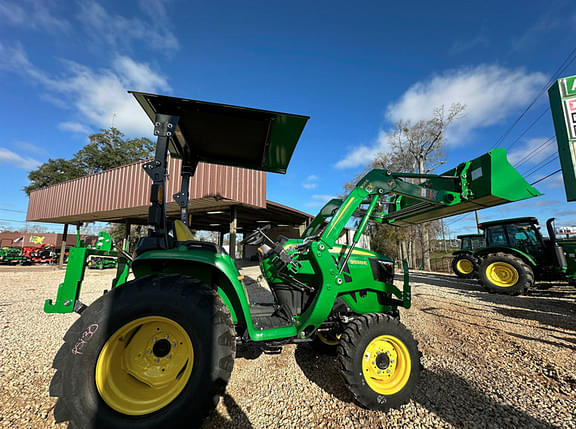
516,256
158,351
464,263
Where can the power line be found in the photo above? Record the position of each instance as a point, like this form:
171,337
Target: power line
13,211
20,221
541,166
525,159
554,76
546,177
529,127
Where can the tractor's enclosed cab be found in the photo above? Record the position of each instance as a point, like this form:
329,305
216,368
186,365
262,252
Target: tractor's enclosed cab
471,242
523,234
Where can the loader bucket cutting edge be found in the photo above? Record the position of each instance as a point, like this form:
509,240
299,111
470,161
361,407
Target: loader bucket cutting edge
487,181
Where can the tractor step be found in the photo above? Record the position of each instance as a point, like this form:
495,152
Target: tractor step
269,316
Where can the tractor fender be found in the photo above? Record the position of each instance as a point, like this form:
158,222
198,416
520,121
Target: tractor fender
462,252
213,269
510,250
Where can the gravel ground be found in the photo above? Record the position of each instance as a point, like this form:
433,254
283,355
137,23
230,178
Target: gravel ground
490,361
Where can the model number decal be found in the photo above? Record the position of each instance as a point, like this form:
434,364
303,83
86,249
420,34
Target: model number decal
84,338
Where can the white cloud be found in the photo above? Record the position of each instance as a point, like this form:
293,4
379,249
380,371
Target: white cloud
542,150
119,31
460,46
365,153
36,14
9,157
535,203
553,182
319,200
99,96
310,182
490,93
31,148
323,198
74,127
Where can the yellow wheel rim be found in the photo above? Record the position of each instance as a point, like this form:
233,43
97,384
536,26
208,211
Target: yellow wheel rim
386,365
464,266
144,365
329,338
502,274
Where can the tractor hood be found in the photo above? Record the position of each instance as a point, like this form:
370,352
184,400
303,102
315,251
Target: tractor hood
228,135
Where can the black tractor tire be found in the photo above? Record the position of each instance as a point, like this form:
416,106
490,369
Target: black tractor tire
505,274
188,330
379,360
465,266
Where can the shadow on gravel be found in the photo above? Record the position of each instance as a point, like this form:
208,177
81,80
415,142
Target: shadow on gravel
238,419
322,370
438,313
549,307
457,402
248,351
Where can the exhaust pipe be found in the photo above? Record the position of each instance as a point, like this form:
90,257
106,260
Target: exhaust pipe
558,251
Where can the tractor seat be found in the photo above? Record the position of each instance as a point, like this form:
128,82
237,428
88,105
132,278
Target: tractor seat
184,236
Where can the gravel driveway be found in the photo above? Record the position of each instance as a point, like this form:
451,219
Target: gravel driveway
489,361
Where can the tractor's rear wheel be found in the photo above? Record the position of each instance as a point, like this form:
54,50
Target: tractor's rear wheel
155,352
465,266
505,274
380,361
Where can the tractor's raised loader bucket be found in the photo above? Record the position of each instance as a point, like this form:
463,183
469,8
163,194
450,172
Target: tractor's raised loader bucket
486,181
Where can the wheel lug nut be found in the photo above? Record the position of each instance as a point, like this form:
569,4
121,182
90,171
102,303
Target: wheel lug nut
169,357
154,340
173,344
149,351
156,360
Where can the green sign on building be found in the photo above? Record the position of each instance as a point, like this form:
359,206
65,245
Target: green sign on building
563,104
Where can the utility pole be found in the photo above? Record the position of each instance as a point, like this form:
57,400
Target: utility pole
477,222
443,235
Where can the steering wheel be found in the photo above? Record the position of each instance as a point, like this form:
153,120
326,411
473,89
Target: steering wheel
256,237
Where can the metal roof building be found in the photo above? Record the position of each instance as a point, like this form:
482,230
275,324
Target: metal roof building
222,198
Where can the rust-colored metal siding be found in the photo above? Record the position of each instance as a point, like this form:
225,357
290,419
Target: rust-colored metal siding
124,193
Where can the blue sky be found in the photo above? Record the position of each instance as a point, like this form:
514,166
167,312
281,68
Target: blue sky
354,67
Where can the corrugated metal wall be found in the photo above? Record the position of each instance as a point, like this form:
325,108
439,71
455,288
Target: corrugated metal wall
128,187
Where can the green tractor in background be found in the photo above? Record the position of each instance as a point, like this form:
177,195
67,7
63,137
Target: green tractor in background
464,263
517,255
158,351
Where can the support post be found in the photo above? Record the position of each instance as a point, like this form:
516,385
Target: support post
182,197
126,241
63,246
164,127
233,225
220,238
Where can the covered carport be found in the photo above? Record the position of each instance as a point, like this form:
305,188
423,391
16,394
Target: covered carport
223,199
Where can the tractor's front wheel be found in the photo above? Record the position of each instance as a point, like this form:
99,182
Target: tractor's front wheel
465,266
505,274
155,352
380,361
327,341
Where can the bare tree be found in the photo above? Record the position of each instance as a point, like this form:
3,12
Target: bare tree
421,144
